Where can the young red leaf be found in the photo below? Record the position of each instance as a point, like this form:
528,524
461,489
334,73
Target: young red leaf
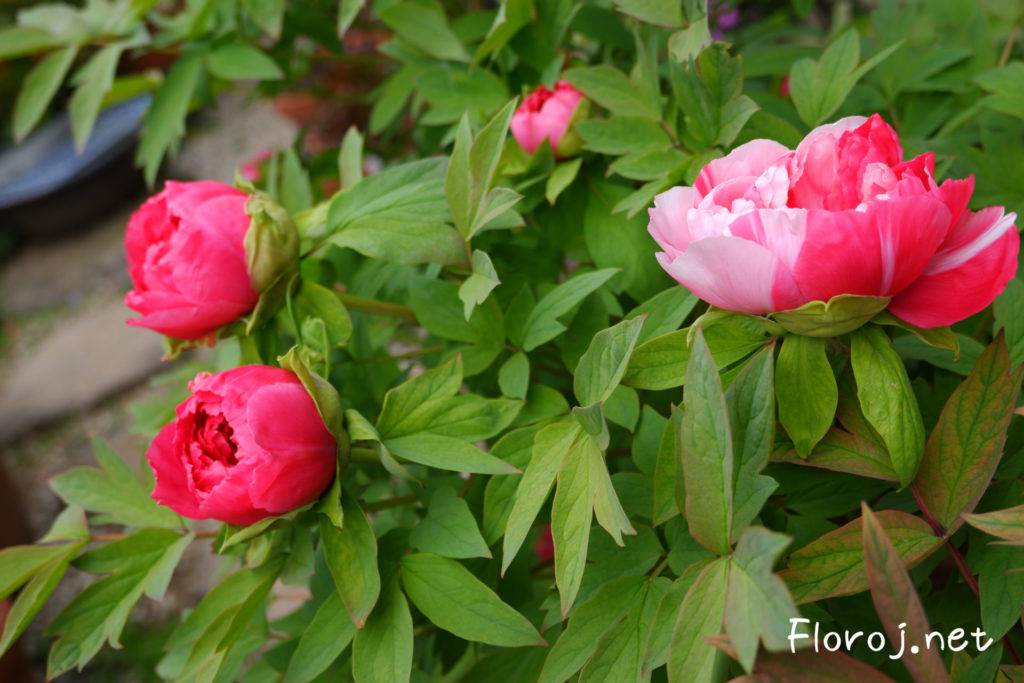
898,604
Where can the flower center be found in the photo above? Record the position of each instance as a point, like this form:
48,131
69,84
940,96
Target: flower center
213,434
535,102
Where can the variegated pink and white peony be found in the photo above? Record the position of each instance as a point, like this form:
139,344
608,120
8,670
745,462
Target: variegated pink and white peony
768,229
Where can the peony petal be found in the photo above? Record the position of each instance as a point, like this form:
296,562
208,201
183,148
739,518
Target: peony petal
781,231
282,485
284,420
183,199
735,274
962,281
750,159
668,224
876,252
172,487
813,168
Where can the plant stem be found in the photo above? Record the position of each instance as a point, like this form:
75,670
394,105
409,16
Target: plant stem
1008,46
389,503
366,305
959,561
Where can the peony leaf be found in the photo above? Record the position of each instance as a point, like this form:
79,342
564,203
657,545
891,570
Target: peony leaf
240,61
707,452
550,447
699,617
324,638
514,375
31,598
1009,312
440,310
805,666
514,448
458,602
897,602
382,651
589,622
843,451
833,565
757,605
449,528
1006,524
351,556
610,88
141,563
620,652
752,420
888,402
424,25
541,324
447,453
164,123
38,88
475,289
806,390
267,14
571,515
660,638
604,362
965,447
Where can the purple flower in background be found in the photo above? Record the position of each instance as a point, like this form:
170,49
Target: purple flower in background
722,17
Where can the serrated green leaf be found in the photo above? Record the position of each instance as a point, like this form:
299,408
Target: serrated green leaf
551,445
707,452
896,601
455,600
351,555
833,565
449,528
38,88
382,652
965,446
328,634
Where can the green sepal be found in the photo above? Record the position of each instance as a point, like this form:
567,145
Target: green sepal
326,398
841,314
271,255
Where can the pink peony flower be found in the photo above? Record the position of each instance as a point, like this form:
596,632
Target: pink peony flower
250,170
549,114
544,549
768,229
248,444
187,259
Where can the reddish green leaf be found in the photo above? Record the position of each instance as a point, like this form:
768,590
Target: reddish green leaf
842,451
897,603
833,565
757,605
805,666
1006,524
964,448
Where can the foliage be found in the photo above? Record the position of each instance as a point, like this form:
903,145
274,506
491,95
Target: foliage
509,355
